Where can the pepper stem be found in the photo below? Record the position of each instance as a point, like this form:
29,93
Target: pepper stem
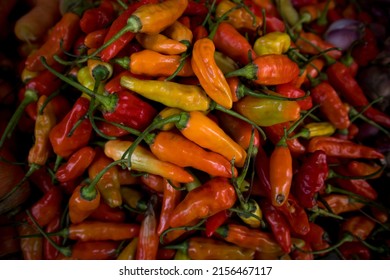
333,174
30,96
186,228
248,71
66,251
346,238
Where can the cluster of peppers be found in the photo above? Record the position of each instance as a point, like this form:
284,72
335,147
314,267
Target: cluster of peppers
185,129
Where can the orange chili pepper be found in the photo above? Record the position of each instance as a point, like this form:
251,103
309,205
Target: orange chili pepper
171,199
213,196
211,78
340,203
160,43
179,32
311,43
83,201
359,226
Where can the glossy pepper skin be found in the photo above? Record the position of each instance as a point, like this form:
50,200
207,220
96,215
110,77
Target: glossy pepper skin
310,178
65,141
97,18
272,43
213,196
171,198
80,206
61,39
210,76
148,239
76,164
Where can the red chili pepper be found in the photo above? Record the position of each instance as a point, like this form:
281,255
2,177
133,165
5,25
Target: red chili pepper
31,247
171,199
215,195
76,165
340,203
49,252
291,91
262,172
346,85
272,69
196,8
105,213
95,250
215,221
47,207
97,18
67,136
316,237
120,22
232,43
310,178
278,225
342,148
296,216
60,40
355,250
368,50
42,179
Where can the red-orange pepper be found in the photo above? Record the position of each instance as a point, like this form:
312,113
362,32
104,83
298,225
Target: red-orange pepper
171,198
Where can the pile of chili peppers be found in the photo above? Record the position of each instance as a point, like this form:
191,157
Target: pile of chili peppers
183,129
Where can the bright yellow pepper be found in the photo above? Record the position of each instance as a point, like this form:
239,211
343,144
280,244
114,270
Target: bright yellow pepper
272,43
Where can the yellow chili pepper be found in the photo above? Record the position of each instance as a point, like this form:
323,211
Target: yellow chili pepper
314,129
272,43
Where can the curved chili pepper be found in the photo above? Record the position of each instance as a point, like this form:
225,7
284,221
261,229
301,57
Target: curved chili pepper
49,252
213,196
360,168
67,136
232,43
278,225
201,248
215,221
60,40
47,207
331,105
83,202
171,198
272,69
144,161
175,148
340,203
160,43
76,164
99,231
97,18
148,239
310,178
346,85
210,76
342,148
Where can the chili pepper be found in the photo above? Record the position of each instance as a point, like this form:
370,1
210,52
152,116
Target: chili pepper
278,225
49,252
95,39
144,161
335,147
213,196
379,214
171,94
288,13
99,231
232,43
272,43
210,76
346,85
368,47
105,213
171,199
97,18
238,16
84,200
200,32
160,43
42,179
148,240
175,148
315,237
310,178
295,215
305,254
313,69
64,137
179,31
134,198
119,42
272,69
331,105
201,248
360,168
239,130
355,250
215,221
340,203
314,129
196,8
281,173
316,11
359,226
245,237
276,131
31,247
262,174
60,40
266,112
94,250
109,184
128,253
76,165
311,43
291,91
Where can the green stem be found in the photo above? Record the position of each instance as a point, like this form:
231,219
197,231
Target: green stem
186,228
322,19
242,90
121,126
222,18
30,96
355,115
346,238
333,174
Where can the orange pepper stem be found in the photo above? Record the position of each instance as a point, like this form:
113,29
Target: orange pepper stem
30,96
66,251
346,238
